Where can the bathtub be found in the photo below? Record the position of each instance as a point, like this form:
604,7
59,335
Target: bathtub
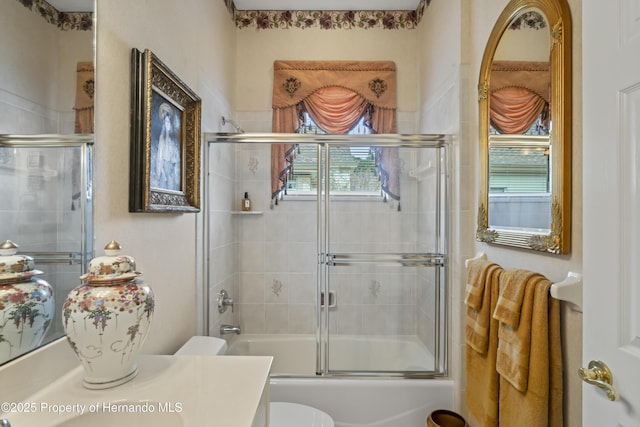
361,401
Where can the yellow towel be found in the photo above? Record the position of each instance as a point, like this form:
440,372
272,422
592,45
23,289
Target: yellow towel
512,286
478,320
540,404
556,386
514,343
476,278
482,380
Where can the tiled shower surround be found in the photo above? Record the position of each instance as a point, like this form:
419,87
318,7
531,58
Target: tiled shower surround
267,259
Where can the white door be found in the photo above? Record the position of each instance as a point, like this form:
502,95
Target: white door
611,211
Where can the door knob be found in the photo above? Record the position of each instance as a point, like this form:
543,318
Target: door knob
599,375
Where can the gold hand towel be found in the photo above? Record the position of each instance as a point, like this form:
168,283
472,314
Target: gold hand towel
514,342
478,320
482,380
540,403
512,287
476,279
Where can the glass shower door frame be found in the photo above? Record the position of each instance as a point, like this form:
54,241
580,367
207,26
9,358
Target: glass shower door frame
327,259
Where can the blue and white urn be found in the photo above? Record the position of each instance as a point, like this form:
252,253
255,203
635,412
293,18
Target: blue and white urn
108,318
26,303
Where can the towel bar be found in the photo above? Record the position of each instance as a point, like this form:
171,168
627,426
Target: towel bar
569,290
480,255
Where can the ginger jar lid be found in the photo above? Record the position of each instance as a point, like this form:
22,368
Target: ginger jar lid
112,267
15,268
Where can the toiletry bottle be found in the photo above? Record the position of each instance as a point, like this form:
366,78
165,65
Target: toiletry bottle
246,202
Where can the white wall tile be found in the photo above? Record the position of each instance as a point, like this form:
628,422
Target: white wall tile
276,318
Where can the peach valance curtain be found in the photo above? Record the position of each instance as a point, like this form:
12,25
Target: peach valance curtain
516,109
336,94
84,97
375,81
520,94
533,75
335,109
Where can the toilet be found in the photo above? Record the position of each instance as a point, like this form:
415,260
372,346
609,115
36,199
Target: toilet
202,346
281,414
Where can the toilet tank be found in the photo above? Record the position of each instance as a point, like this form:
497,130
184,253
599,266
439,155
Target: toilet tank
203,346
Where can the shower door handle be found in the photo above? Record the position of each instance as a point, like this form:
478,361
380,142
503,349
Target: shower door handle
332,299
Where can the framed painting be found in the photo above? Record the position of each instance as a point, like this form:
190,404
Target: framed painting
165,139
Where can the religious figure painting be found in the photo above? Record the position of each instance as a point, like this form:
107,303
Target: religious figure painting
165,167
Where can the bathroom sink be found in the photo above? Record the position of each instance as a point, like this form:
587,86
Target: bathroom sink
176,391
125,419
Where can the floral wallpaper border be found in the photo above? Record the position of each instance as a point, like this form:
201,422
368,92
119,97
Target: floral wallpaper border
531,20
327,20
68,21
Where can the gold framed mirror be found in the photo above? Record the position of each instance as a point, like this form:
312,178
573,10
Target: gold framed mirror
524,97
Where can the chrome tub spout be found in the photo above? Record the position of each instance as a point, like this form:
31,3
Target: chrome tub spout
228,329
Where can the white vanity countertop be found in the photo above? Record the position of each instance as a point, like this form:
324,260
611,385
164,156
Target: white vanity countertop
191,391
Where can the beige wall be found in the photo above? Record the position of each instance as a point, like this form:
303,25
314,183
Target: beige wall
195,39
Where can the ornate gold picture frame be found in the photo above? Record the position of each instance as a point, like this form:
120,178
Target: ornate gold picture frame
165,139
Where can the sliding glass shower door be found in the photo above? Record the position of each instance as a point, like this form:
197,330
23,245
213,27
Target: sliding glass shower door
383,264
350,263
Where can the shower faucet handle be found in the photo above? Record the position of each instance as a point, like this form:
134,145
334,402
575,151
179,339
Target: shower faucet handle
224,301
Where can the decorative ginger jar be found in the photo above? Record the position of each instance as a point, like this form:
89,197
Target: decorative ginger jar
26,303
108,318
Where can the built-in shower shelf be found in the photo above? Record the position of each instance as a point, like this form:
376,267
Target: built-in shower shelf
246,212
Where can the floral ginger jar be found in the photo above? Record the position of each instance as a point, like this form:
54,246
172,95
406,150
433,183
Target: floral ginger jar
108,318
26,303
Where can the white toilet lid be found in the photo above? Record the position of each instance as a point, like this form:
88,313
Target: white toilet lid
287,414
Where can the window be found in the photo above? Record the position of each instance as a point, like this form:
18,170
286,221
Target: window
352,169
520,163
518,169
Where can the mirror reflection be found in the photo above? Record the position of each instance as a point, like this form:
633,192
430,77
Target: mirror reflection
519,182
46,72
524,129
46,210
519,179
46,142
